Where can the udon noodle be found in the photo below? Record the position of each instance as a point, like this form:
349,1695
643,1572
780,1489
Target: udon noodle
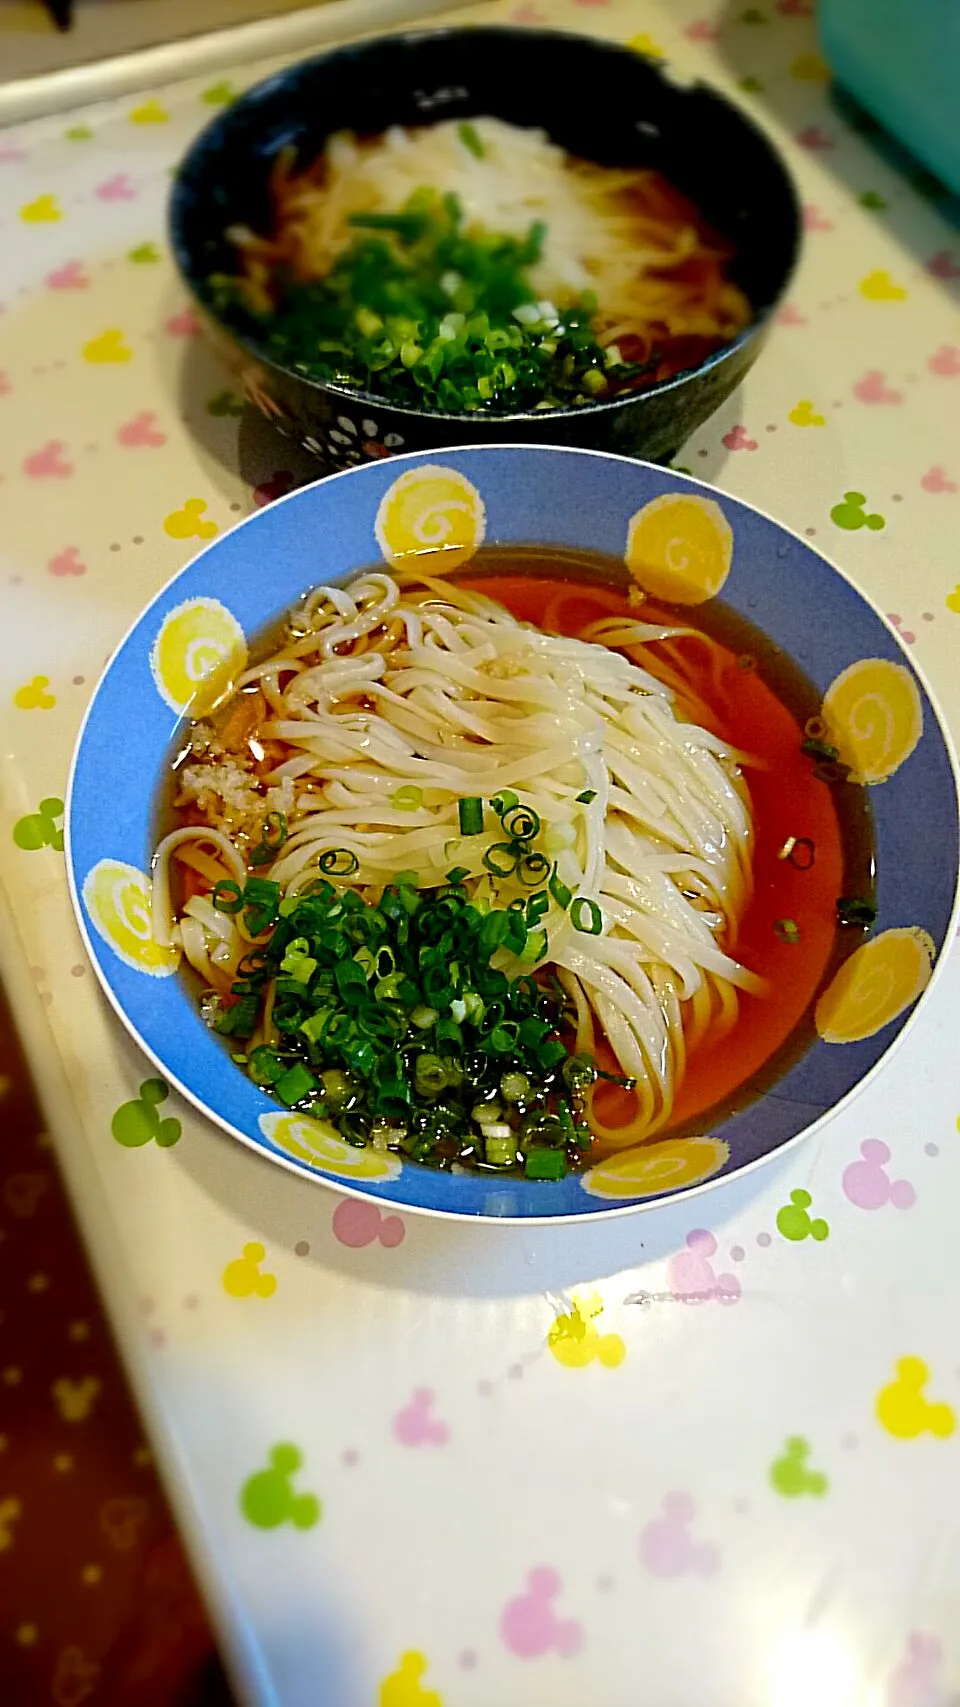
393,699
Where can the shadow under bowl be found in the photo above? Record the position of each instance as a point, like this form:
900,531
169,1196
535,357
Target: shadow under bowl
597,100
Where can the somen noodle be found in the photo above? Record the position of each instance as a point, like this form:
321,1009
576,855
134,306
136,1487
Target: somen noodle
479,266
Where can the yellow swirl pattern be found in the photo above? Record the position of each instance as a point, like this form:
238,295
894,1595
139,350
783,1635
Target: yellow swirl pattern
197,655
680,548
651,1169
873,717
321,1146
431,512
881,978
119,900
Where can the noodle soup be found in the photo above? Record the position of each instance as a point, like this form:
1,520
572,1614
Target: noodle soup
506,871
475,267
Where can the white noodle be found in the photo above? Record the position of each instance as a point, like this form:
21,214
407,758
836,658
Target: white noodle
456,698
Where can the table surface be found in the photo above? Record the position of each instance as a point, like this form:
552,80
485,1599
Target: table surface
396,1487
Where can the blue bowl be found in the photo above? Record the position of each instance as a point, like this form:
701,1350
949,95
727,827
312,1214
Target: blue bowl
595,98
521,494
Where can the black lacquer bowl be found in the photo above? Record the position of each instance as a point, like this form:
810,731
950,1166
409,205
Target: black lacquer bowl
601,101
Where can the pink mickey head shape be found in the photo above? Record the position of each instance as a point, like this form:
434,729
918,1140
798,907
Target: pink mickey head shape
414,1425
790,316
814,220
67,562
667,1547
873,388
357,1224
183,325
47,463
814,138
119,188
916,1681
278,485
866,1184
936,479
691,1276
739,439
141,430
70,276
529,1625
945,361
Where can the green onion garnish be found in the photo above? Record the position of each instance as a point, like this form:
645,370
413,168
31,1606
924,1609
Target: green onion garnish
227,896
545,1164
558,889
501,859
470,812
504,801
533,868
787,930
470,139
390,1019
338,862
407,799
273,834
588,797
856,910
819,749
584,906
521,823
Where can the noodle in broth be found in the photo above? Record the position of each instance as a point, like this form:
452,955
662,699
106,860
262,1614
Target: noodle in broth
391,702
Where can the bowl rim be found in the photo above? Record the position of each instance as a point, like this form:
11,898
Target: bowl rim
603,1212
584,411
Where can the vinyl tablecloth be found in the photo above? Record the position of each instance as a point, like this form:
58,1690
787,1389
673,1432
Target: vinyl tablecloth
704,1455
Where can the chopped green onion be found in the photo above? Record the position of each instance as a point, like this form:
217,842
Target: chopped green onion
469,137
407,799
584,905
819,749
500,1152
515,1087
537,906
534,948
533,868
470,811
457,875
261,901
588,797
338,862
501,859
545,1164
504,801
294,1085
787,930
521,823
264,1066
558,889
856,910
227,896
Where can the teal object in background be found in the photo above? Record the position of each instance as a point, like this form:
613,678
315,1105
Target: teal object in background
901,60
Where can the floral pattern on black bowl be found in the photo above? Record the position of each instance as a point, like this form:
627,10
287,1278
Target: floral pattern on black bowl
599,100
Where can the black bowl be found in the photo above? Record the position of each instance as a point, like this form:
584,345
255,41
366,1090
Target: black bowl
603,102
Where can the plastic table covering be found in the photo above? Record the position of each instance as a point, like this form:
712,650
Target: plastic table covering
403,1484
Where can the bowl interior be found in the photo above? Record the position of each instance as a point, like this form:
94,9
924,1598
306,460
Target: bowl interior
594,98
520,495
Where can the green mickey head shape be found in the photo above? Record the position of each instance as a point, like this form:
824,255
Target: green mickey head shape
40,829
267,1498
135,1123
